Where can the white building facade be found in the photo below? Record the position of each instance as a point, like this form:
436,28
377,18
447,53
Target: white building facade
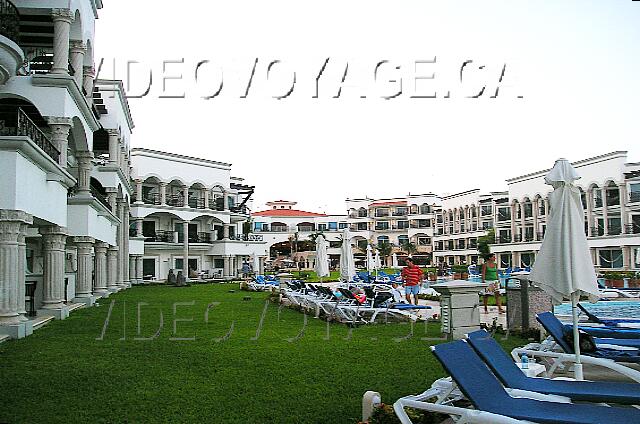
186,207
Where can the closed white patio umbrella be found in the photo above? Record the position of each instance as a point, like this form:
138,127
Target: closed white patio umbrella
256,264
394,261
563,267
347,263
322,257
370,261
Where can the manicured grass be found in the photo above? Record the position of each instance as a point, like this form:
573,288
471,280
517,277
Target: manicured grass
65,373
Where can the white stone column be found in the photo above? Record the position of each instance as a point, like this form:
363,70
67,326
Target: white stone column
112,269
206,199
114,148
225,199
163,193
53,242
535,210
185,249
60,128
125,244
88,77
62,19
112,194
120,240
139,274
84,172
100,288
132,269
226,266
85,268
624,215
605,212
139,227
225,232
138,192
22,268
12,228
261,261
589,196
185,194
77,51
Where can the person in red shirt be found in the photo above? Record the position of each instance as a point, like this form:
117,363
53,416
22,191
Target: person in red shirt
411,277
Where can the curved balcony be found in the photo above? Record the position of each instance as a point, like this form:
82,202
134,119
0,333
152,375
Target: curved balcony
11,55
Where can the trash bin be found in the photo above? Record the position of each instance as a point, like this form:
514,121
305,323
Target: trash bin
524,301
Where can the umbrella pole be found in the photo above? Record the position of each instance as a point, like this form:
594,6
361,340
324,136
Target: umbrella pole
577,368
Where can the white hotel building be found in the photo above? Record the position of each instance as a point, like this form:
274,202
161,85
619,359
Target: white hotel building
610,189
72,221
396,221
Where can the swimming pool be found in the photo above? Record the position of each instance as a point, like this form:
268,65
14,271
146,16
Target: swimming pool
610,309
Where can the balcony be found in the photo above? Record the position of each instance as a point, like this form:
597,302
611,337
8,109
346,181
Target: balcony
597,231
242,210
161,237
200,238
634,196
175,200
196,202
633,228
539,236
17,123
503,239
248,237
100,197
615,230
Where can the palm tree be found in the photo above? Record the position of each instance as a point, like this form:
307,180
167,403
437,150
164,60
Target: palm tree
409,248
385,249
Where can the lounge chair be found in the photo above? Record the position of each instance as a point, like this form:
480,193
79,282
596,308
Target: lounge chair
604,357
494,404
511,376
547,319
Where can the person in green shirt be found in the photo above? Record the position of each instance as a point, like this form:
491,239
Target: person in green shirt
490,276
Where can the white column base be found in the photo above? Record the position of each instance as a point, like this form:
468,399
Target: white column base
17,331
87,301
115,289
56,313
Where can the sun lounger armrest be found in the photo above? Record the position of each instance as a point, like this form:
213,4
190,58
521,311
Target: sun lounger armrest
471,416
517,393
566,357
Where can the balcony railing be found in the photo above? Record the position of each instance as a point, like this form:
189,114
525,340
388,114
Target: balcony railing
539,236
200,238
597,231
503,239
632,228
175,200
243,210
160,237
196,202
100,197
9,21
615,230
24,126
247,237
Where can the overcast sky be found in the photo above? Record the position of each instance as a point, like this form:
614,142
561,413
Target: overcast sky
570,89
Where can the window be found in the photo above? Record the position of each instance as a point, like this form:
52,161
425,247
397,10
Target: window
402,225
361,244
528,233
439,219
425,209
333,225
505,260
613,195
258,226
414,209
424,241
384,225
504,236
599,230
424,223
343,225
615,227
218,263
526,259
382,212
362,226
322,227
403,240
528,210
504,213
486,225
401,211
383,239
597,198
486,210
610,258
362,213
149,228
193,264
634,192
541,210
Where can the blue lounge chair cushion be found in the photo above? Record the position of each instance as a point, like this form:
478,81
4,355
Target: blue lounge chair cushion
555,328
612,332
511,376
403,306
486,393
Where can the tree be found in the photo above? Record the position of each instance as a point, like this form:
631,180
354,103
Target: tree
409,247
485,241
385,250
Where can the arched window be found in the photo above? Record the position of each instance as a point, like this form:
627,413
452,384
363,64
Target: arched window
383,239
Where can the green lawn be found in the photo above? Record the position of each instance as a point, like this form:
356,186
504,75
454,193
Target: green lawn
62,373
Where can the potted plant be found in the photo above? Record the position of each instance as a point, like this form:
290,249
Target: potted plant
634,280
613,279
460,272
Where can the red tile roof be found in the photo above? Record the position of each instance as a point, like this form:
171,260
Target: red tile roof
286,212
400,203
